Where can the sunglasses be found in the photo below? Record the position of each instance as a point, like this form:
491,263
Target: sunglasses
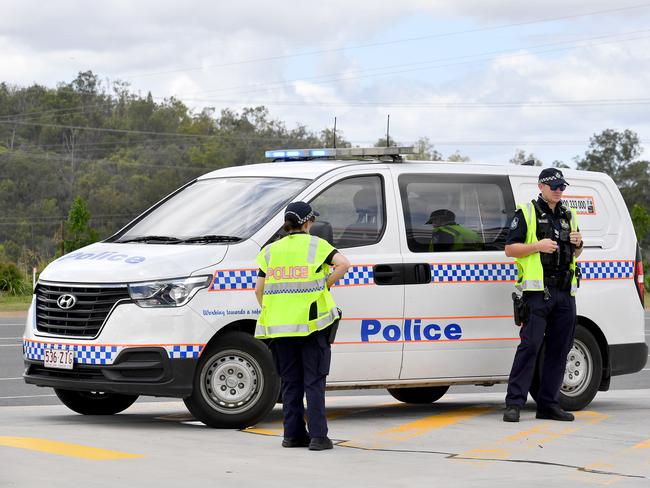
560,187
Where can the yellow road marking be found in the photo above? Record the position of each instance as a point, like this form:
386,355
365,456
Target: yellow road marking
272,430
412,430
642,445
539,435
65,449
628,459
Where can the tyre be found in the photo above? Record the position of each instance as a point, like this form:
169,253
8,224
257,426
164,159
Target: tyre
584,371
427,394
235,384
95,402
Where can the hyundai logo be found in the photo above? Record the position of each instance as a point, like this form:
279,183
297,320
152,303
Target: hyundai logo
66,302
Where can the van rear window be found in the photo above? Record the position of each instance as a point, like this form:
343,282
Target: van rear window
445,213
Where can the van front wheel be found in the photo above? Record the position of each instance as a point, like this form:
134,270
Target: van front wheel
95,402
426,394
235,384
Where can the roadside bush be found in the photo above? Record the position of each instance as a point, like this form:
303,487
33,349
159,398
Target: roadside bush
12,281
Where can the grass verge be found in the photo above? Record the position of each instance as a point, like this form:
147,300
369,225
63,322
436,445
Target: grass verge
14,304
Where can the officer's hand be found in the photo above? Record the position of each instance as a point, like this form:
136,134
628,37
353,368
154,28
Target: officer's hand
547,246
575,238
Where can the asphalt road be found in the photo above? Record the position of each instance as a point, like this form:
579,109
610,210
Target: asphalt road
14,392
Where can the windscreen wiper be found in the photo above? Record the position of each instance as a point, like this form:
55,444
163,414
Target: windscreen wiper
211,238
161,239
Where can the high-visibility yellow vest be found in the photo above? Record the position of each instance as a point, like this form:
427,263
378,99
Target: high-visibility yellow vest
295,280
463,238
530,272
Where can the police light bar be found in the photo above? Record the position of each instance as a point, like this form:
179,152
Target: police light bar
344,152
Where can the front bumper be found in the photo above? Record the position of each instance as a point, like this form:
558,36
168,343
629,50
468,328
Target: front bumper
627,358
135,371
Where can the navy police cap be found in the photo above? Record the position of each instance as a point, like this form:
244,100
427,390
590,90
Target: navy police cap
300,211
552,177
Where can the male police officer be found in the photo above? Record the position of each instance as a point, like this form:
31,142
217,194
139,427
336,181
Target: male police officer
545,242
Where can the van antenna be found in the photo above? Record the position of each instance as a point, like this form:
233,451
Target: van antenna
388,130
334,132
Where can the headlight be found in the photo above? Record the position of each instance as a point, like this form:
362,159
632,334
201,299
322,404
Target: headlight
167,293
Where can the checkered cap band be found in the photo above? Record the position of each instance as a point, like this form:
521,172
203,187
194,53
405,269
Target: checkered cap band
303,219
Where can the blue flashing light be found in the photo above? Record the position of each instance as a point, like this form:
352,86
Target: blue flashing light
294,154
317,153
275,154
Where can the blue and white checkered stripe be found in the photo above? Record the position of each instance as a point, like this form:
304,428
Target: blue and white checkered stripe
83,354
470,272
192,351
606,270
357,275
234,279
97,354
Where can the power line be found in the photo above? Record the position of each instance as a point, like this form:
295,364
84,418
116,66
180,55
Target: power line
385,43
432,64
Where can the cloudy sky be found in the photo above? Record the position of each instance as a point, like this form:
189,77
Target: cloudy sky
480,76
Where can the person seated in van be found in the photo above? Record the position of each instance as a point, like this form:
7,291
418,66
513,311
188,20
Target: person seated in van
365,229
447,235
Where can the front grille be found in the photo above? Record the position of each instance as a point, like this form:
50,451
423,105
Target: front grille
85,318
71,374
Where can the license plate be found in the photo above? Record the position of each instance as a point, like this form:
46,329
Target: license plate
58,358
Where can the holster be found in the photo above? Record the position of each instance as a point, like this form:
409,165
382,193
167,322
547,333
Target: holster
334,328
520,309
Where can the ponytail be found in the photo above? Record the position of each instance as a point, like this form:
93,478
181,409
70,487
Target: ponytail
291,223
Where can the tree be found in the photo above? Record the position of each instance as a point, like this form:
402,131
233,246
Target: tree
77,227
559,164
520,158
424,151
457,157
616,154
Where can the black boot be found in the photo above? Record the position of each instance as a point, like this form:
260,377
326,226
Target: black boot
511,414
554,412
320,444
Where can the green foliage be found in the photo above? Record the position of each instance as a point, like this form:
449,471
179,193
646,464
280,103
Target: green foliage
79,233
424,151
12,281
520,158
641,221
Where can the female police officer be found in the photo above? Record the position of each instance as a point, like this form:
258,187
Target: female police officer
297,312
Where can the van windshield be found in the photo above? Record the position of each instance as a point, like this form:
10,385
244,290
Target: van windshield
218,210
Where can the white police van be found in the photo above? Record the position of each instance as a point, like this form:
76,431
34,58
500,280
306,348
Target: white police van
166,306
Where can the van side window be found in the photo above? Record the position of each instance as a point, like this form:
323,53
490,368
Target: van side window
352,211
445,213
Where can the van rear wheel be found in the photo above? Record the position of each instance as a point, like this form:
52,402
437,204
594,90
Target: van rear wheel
421,395
235,384
95,402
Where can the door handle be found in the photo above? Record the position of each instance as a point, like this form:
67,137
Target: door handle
387,274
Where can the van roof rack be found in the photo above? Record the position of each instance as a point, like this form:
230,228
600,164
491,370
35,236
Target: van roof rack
393,152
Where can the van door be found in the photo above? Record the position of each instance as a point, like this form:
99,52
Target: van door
458,323
361,222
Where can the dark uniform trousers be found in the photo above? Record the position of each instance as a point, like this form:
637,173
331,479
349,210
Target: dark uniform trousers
303,363
554,319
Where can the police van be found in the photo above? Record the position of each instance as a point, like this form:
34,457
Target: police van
166,306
